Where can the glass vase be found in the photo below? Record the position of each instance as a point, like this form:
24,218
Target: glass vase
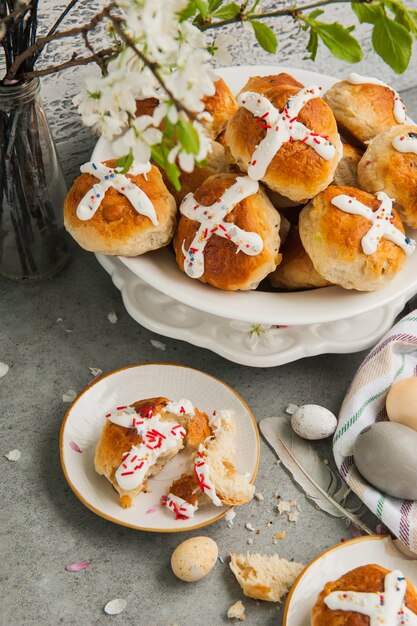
32,188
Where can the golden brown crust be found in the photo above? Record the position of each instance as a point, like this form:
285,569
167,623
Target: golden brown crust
198,429
186,487
221,107
383,168
332,239
146,106
361,111
224,268
260,84
297,171
117,228
368,578
296,271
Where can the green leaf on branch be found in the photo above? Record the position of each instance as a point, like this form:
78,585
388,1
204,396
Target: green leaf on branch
337,38
188,11
393,43
125,163
228,12
367,13
312,45
188,136
265,36
159,155
315,13
213,5
202,7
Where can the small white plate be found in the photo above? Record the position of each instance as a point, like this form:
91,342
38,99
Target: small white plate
84,421
314,306
337,561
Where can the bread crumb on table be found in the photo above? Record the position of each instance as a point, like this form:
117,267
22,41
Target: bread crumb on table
264,577
237,611
291,508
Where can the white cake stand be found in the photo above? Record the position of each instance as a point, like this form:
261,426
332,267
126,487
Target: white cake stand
234,341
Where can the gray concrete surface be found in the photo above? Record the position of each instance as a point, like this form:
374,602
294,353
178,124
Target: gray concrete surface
44,527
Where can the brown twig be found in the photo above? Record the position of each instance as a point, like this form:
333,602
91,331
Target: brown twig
102,55
95,57
14,14
291,11
62,16
41,42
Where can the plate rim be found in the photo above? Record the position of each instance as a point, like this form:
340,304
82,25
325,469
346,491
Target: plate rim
127,524
338,546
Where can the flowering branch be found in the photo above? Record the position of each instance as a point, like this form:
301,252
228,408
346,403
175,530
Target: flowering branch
152,66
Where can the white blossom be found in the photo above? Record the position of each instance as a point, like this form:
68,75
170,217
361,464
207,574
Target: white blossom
221,50
258,333
186,160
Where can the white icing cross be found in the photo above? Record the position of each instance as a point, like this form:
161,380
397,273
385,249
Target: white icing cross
158,437
282,127
202,474
399,110
383,609
181,508
380,220
405,143
109,177
212,222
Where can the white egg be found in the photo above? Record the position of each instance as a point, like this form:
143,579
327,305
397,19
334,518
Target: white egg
311,421
194,558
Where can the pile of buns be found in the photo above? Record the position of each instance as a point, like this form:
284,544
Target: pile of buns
302,189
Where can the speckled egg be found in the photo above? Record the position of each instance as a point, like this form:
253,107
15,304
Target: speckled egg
385,455
194,558
311,421
401,402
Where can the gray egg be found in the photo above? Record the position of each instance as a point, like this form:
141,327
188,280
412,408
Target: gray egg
385,455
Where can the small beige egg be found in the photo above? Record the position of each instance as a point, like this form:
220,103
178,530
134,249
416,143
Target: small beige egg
311,421
194,558
401,402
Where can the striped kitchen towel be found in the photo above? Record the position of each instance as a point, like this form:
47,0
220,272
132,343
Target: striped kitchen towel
393,358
